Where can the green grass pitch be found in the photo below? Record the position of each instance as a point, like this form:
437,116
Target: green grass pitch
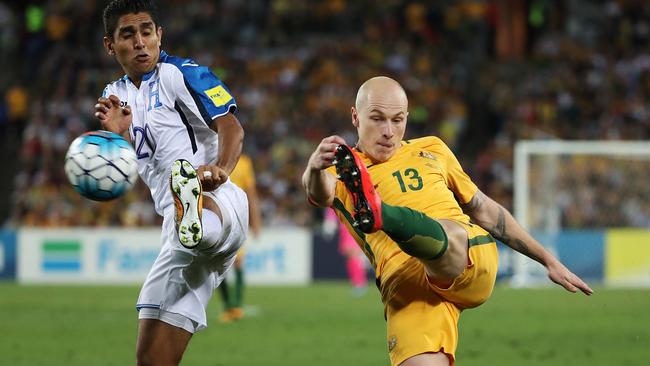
324,325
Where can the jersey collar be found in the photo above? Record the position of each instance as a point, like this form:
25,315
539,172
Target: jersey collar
368,161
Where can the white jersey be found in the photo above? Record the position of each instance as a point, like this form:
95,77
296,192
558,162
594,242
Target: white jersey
172,113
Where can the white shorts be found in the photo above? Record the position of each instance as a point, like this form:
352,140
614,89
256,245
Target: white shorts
181,281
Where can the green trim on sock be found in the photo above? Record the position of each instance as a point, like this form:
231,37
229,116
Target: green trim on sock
422,246
416,234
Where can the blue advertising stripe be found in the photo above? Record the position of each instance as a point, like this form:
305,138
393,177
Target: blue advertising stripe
61,262
8,256
583,251
64,266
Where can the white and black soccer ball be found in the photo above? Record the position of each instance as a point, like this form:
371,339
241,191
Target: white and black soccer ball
101,165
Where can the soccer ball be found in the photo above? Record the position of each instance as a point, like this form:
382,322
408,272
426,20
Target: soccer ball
101,165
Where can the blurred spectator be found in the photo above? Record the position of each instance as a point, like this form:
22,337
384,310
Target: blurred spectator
16,100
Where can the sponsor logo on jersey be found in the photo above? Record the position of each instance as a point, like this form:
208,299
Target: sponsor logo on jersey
219,95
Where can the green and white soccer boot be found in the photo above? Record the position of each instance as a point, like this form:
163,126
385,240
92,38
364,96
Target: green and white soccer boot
188,201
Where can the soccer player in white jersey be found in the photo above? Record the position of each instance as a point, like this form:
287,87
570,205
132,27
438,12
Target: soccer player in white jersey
179,116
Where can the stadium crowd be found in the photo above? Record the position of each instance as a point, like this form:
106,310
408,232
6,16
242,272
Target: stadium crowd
294,67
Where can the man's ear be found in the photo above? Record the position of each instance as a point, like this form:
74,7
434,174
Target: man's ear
355,117
108,45
160,33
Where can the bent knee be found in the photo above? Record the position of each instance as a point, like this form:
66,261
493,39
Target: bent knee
456,234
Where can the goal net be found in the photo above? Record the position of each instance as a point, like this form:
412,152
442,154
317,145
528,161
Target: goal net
588,202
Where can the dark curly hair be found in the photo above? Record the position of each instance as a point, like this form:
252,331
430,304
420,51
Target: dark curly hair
117,8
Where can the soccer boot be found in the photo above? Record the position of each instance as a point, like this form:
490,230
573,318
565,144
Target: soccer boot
226,317
232,315
367,203
188,200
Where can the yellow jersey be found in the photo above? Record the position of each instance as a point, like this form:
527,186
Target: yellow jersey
423,175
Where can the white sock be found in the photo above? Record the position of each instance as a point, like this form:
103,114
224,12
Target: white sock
211,228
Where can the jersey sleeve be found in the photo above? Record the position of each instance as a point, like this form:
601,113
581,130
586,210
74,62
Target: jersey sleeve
212,97
457,180
107,91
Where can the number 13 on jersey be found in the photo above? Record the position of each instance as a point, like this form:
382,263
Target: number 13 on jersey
409,179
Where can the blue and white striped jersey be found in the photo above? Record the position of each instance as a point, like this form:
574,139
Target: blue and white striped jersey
172,113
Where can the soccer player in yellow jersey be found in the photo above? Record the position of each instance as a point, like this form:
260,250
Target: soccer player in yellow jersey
243,176
426,228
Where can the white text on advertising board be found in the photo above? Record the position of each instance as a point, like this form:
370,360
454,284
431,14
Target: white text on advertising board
271,259
124,258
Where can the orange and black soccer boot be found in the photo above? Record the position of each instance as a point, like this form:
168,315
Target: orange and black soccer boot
353,173
188,201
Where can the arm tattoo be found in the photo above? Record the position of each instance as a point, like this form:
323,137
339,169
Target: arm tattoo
522,248
499,231
476,209
500,227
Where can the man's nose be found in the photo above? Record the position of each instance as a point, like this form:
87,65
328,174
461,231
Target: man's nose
139,41
388,131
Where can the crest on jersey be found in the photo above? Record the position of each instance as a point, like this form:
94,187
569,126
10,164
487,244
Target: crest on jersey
219,95
427,155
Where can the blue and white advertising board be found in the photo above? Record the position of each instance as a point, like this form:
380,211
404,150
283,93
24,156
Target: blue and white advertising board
278,256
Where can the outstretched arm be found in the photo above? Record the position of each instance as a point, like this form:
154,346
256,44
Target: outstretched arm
490,215
319,185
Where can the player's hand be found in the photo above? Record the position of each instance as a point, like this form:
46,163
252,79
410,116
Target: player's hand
211,177
112,115
561,275
323,156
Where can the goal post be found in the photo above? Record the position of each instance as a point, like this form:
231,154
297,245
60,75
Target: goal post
588,202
